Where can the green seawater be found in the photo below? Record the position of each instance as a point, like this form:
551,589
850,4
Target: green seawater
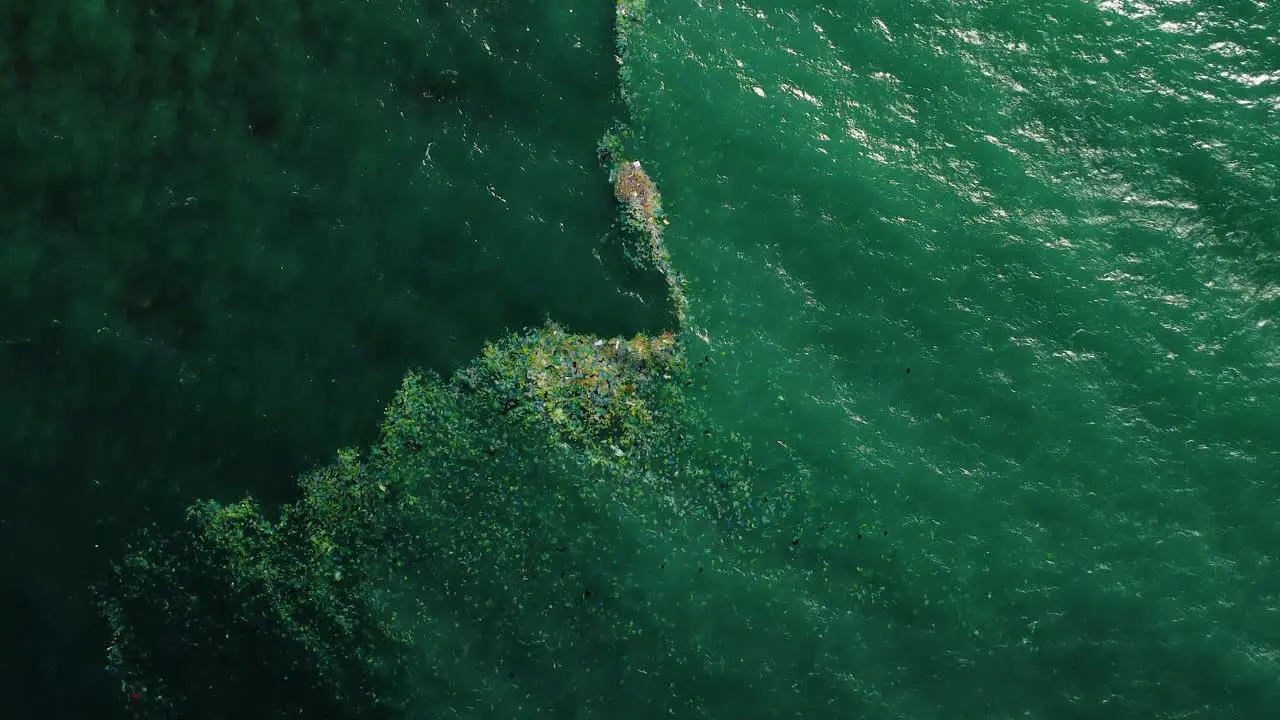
1005,275
995,282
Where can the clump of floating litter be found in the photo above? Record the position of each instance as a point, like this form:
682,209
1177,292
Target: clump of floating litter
643,215
638,193
593,392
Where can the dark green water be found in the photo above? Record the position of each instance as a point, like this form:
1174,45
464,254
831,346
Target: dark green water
226,240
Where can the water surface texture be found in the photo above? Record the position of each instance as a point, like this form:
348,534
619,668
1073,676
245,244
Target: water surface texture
995,283
1008,274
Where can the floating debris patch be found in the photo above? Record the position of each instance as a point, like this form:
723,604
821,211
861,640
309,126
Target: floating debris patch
603,395
643,215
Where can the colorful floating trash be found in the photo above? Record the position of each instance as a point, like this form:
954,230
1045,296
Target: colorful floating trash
638,194
594,392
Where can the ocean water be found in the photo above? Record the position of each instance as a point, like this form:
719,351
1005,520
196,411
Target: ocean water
1005,275
994,283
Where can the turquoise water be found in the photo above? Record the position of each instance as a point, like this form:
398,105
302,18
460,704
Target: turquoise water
994,283
1005,275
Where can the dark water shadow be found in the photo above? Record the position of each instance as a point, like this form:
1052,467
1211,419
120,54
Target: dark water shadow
225,250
